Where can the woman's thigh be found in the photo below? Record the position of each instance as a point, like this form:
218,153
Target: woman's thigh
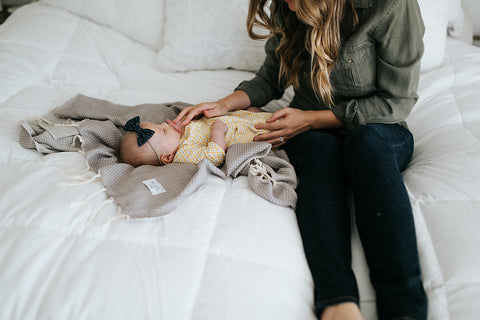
322,212
318,160
377,145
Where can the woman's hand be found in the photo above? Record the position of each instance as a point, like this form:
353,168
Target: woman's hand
235,101
283,124
207,109
288,122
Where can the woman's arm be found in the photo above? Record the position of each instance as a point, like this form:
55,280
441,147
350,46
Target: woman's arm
258,91
266,86
399,49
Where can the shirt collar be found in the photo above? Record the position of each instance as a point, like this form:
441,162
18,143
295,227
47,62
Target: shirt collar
362,3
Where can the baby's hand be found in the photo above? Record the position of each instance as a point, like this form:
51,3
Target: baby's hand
217,134
219,126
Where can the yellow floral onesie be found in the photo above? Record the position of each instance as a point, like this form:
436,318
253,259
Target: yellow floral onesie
195,143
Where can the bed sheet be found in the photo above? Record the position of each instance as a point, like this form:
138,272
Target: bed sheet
226,253
443,180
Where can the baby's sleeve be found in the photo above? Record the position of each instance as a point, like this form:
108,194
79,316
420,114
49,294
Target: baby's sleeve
191,153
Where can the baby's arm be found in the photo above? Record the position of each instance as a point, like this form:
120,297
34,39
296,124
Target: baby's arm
217,134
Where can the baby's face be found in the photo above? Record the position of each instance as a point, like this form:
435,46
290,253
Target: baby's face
166,138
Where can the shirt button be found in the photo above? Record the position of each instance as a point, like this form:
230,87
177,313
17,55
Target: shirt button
350,61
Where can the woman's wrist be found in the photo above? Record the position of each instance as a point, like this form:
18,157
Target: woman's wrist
237,100
322,119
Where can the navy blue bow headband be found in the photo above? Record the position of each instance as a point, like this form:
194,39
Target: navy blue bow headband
143,135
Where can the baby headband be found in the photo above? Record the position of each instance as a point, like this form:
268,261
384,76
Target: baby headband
143,135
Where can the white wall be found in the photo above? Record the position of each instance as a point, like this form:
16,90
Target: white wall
473,8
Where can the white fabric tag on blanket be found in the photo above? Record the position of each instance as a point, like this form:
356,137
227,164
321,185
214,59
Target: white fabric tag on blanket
154,187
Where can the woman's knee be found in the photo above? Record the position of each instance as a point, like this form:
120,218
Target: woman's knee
379,145
366,137
366,152
366,143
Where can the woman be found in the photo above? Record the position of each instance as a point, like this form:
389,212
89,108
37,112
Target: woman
354,66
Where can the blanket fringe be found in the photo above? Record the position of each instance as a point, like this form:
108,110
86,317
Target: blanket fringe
98,209
72,123
96,193
81,180
257,168
78,138
120,216
81,153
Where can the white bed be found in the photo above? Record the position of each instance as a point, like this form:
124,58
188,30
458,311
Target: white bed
225,253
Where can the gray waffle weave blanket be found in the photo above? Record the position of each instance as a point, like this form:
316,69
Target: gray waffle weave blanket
95,127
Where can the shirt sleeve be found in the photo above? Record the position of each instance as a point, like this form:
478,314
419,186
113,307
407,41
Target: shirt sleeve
192,153
265,86
399,48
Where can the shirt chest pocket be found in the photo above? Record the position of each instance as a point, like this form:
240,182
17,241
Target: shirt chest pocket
355,70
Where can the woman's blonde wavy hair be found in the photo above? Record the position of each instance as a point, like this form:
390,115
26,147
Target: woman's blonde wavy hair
313,29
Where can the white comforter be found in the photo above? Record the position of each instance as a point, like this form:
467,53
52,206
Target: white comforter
226,253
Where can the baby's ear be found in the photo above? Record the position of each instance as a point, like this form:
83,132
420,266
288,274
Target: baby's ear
166,158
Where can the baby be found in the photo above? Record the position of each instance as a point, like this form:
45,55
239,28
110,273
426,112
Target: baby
148,143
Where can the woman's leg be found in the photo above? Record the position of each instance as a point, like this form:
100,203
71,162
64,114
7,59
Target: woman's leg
323,217
375,155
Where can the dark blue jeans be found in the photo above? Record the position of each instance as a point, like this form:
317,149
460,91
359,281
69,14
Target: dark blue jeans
369,162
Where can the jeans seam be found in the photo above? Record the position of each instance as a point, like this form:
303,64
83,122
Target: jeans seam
400,145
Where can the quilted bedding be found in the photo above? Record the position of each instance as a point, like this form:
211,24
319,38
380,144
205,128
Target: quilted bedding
225,253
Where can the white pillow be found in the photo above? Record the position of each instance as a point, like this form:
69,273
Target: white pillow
435,14
140,20
211,34
455,19
208,34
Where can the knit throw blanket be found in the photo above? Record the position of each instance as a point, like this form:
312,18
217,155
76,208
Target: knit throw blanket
95,127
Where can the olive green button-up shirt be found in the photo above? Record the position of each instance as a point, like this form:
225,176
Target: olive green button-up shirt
375,78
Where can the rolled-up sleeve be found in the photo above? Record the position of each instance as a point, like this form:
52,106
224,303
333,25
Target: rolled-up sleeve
399,48
265,86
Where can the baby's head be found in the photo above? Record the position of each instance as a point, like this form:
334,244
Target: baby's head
148,143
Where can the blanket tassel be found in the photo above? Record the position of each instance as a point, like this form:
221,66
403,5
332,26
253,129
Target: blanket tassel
81,202
98,209
82,180
56,124
257,168
120,216
81,153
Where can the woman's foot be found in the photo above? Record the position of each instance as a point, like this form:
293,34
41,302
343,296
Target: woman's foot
342,311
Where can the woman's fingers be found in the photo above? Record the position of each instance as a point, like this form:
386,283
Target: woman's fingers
278,115
277,125
283,125
182,114
187,114
213,112
270,136
274,140
207,109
